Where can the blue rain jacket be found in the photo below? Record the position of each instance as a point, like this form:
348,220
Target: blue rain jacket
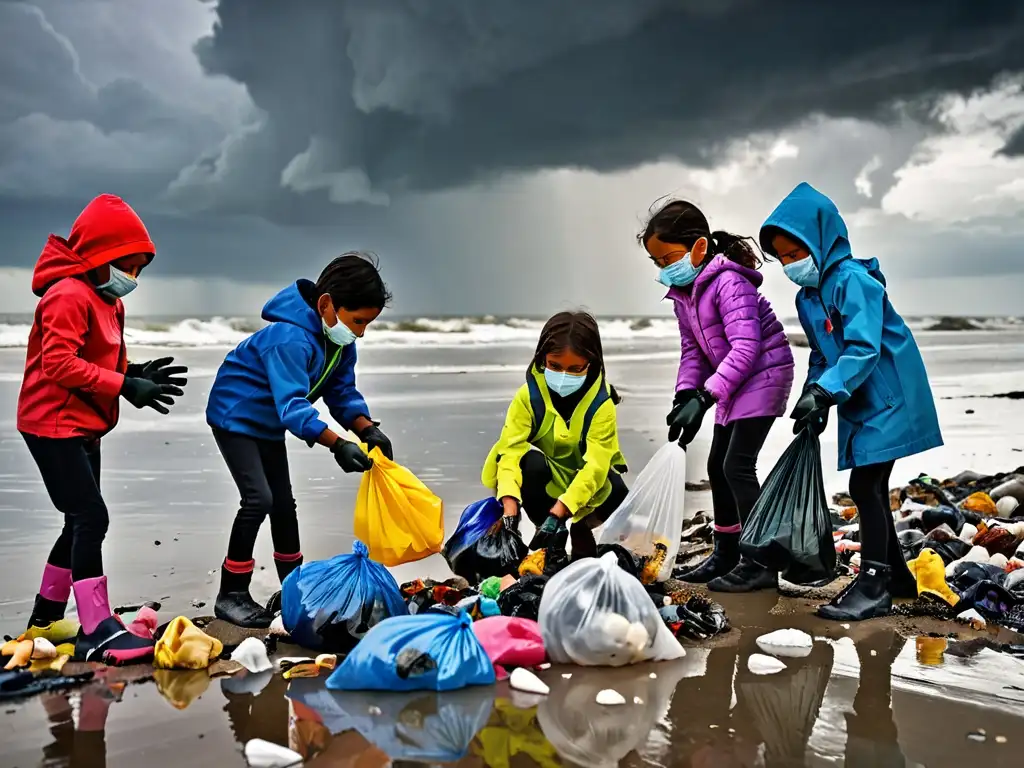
862,351
262,386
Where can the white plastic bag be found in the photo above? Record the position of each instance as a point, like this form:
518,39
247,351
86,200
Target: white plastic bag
595,614
649,522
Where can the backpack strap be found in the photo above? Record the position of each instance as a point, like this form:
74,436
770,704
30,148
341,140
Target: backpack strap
599,399
536,405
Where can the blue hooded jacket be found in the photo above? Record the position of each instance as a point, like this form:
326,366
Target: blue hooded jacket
262,386
862,352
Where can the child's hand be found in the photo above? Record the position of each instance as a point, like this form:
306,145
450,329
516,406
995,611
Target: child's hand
350,456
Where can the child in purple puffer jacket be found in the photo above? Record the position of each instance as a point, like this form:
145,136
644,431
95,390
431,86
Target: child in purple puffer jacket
734,355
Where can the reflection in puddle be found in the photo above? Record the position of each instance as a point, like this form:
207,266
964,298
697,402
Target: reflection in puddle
876,700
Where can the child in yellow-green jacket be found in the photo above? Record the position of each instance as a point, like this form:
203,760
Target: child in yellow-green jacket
558,455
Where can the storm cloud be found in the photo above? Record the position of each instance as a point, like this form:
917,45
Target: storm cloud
365,99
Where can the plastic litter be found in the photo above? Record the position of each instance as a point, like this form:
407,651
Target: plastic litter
790,529
1006,506
264,754
511,641
331,604
595,614
649,522
397,516
247,682
972,617
483,545
523,598
609,698
252,654
759,664
524,680
430,651
184,646
788,643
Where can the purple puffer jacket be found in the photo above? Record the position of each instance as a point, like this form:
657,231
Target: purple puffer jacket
733,345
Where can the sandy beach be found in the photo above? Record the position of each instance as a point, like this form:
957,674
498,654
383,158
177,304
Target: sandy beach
172,502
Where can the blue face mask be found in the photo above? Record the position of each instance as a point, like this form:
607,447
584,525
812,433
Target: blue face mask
804,272
680,274
564,384
339,333
118,285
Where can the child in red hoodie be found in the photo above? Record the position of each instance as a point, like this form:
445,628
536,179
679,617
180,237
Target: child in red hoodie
75,372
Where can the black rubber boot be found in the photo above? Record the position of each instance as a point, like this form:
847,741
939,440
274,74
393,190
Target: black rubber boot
235,605
725,557
112,644
867,597
902,583
748,576
286,567
46,611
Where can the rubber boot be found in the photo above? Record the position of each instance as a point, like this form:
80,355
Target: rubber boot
103,637
47,619
902,583
234,603
725,557
867,597
748,576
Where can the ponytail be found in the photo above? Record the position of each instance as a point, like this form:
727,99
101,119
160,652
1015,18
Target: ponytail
734,248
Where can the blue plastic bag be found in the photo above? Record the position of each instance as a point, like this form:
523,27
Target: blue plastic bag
431,651
483,545
331,604
476,520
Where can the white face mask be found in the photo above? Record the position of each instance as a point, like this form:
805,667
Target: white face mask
339,333
118,285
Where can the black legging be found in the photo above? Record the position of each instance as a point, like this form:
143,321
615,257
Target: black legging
869,489
732,469
70,467
260,470
537,503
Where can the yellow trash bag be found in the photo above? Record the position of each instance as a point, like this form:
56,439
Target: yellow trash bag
397,516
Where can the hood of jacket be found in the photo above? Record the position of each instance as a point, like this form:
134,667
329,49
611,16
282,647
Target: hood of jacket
812,218
106,230
290,306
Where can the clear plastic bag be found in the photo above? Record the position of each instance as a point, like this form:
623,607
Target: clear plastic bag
790,529
650,519
331,604
595,614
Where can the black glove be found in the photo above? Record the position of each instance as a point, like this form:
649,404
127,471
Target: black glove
685,420
511,522
374,438
552,534
143,392
811,410
350,456
160,371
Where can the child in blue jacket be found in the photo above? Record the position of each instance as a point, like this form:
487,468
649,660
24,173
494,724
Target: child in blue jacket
864,361
267,386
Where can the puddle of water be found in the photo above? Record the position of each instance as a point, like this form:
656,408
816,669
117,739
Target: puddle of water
875,700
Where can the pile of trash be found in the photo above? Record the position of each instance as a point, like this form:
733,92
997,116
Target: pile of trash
963,540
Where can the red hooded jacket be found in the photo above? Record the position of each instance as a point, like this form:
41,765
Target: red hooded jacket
76,356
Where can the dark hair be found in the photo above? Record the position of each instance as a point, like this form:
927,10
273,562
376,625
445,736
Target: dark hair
578,332
682,222
353,281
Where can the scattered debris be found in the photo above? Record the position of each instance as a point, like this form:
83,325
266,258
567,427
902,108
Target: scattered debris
610,698
759,664
524,680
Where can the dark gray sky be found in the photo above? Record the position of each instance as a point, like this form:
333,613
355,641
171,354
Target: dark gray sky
499,155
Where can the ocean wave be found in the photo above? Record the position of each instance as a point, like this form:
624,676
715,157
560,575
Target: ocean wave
226,332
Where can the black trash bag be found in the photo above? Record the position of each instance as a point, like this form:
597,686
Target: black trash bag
497,553
628,562
522,599
949,551
699,619
790,529
966,575
990,600
933,517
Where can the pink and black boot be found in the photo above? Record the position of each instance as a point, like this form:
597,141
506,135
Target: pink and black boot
103,637
47,619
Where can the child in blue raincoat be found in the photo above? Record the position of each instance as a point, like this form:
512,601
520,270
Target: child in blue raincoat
864,361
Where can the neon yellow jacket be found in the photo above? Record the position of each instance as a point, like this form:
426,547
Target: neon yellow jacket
580,454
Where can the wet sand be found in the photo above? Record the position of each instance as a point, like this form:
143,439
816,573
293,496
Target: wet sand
165,483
